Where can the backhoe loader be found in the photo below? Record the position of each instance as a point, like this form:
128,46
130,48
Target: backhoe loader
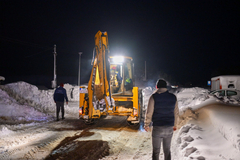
111,89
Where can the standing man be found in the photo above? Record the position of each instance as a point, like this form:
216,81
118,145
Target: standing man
59,95
163,112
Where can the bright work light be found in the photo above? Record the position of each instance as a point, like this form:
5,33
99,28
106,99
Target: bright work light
118,59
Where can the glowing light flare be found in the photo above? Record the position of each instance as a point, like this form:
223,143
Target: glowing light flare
80,110
118,59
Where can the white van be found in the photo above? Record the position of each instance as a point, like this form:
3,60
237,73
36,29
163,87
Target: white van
225,82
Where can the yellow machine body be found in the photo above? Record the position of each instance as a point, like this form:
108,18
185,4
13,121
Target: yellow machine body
110,88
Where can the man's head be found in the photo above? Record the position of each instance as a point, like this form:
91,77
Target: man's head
61,84
161,84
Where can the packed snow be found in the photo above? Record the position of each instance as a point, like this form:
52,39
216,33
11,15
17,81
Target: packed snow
209,126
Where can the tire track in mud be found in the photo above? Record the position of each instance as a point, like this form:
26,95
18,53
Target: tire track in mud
130,145
71,148
30,141
124,140
22,136
37,151
67,131
92,147
35,146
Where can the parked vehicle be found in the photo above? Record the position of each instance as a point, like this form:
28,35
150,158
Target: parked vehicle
231,93
225,82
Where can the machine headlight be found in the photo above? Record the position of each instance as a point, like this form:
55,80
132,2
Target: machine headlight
118,59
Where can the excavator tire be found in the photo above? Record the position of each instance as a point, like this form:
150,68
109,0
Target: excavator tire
90,121
132,124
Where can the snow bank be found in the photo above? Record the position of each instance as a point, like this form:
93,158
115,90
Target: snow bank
72,92
190,97
146,93
24,102
26,93
222,117
227,123
195,98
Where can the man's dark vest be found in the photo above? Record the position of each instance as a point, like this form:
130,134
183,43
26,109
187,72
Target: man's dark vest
164,105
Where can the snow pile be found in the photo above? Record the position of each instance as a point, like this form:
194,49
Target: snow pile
146,93
185,139
26,93
195,98
190,97
227,123
220,122
209,136
72,92
24,102
5,131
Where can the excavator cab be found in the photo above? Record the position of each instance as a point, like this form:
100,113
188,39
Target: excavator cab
121,75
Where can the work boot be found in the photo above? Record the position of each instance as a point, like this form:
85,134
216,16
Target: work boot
63,118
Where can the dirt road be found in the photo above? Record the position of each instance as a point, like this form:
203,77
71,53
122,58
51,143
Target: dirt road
72,138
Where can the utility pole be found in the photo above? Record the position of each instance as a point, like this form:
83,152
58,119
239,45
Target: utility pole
145,78
54,82
79,67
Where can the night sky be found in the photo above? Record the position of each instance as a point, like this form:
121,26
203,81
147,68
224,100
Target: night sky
190,41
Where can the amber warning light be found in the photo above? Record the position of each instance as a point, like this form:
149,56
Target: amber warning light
80,110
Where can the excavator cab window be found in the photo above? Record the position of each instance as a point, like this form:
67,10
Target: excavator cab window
128,84
121,76
116,77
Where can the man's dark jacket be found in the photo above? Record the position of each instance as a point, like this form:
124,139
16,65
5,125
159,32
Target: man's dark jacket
164,105
162,109
60,94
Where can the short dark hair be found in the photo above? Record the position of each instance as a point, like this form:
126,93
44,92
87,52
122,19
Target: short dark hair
161,83
61,84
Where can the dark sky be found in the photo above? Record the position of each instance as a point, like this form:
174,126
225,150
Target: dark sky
191,41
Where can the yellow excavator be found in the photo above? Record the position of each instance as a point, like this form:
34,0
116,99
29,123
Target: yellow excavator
111,89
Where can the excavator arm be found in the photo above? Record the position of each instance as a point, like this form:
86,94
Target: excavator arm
98,85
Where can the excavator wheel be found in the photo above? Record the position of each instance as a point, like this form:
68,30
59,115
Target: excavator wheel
90,121
132,124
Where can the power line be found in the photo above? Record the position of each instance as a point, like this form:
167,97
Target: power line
46,48
38,53
23,42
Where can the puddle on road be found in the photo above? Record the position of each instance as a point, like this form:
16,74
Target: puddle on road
84,150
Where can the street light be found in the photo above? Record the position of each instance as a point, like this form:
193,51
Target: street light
54,81
80,53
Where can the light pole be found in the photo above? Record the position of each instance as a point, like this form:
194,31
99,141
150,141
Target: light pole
80,53
54,82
